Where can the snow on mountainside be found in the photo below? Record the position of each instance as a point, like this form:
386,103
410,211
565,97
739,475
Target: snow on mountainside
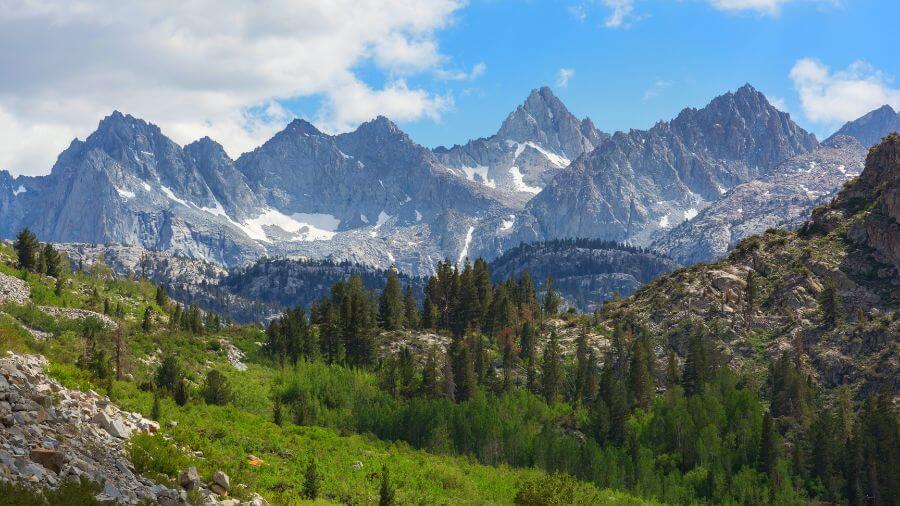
534,142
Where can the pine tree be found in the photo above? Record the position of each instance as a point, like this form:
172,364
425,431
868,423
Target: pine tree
277,415
582,367
181,392
147,321
156,410
311,480
752,291
26,249
552,301
390,305
51,260
463,370
830,305
430,387
639,375
672,376
58,290
448,382
551,370
411,309
162,298
386,495
767,450
697,363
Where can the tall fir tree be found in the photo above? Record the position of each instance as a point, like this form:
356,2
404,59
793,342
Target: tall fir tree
26,246
391,309
552,370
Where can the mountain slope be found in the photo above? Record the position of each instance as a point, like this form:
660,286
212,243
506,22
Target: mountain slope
585,272
848,255
638,184
870,128
782,199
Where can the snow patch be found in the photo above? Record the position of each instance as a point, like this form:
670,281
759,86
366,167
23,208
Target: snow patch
507,224
306,227
125,194
146,186
364,218
18,191
482,172
383,217
465,251
664,222
519,181
690,214
418,215
171,195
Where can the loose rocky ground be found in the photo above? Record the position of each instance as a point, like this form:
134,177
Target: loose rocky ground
49,433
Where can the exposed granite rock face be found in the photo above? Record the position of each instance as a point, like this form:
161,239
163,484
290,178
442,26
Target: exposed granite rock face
638,184
872,127
782,199
534,142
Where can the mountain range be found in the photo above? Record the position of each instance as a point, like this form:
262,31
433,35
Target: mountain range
690,187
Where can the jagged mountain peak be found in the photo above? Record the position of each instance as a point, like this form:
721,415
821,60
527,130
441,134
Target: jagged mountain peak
301,126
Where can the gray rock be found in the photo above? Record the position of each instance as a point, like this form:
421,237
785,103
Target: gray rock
221,479
189,479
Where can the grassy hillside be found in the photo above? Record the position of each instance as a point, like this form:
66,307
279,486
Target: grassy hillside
215,437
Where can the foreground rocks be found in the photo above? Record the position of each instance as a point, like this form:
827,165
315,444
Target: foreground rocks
49,433
13,289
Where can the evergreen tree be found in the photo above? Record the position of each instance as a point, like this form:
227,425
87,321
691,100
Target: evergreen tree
830,305
551,370
162,298
277,415
430,387
26,246
58,290
448,382
699,363
411,309
216,389
181,392
386,494
672,375
552,300
147,321
156,409
582,367
391,308
639,375
311,480
767,449
463,370
51,261
751,291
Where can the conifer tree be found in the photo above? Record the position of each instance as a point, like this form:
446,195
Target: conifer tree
311,480
767,450
463,370
552,300
448,382
672,375
58,290
147,320
639,375
390,305
26,246
830,305
551,370
386,494
411,309
430,387
51,261
162,298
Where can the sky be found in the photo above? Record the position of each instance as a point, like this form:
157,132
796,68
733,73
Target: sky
445,70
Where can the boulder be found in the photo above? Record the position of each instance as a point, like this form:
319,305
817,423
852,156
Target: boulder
221,479
189,479
53,460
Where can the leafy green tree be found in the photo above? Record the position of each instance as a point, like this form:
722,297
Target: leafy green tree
26,246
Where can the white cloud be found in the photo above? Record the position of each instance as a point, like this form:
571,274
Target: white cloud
622,12
564,76
656,89
766,7
461,75
833,97
207,67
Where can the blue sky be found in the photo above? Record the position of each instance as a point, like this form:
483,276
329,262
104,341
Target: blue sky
678,54
444,70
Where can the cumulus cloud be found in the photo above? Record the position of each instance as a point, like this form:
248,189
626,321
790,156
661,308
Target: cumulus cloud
563,76
207,67
844,95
